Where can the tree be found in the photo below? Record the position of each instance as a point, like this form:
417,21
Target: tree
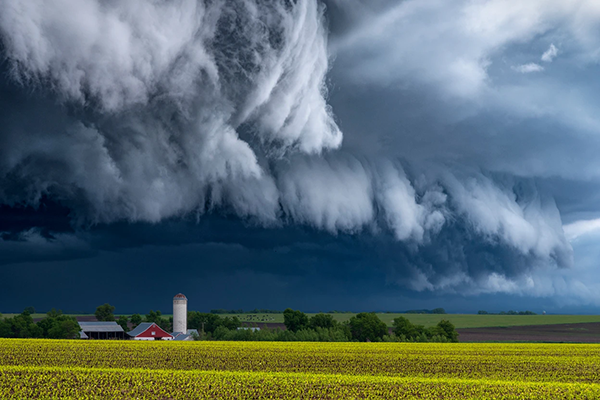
21,326
30,310
56,325
367,327
135,320
105,312
53,313
403,327
47,323
482,312
438,311
231,323
443,331
294,320
5,331
209,322
122,321
156,317
203,322
448,330
64,327
322,321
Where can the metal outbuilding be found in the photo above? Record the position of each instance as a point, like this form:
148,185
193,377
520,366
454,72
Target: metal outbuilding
188,336
101,330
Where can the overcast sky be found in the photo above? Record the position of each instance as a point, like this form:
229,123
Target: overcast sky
339,154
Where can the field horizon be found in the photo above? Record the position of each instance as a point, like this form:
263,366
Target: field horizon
460,321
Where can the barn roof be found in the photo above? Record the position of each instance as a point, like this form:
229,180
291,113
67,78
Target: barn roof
144,326
140,328
103,326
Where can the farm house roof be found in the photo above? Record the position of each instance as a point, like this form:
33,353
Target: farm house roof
103,326
144,326
140,328
180,336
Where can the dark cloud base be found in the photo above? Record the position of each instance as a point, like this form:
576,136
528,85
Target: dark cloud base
222,262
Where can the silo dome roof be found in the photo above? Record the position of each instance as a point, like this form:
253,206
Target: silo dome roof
179,296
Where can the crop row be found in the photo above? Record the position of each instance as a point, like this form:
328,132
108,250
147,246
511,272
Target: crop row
533,363
91,383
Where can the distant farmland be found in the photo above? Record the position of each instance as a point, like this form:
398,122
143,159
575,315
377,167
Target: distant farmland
459,320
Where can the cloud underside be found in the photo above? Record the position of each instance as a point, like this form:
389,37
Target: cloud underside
146,111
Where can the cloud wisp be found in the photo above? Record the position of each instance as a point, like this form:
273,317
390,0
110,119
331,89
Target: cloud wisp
528,68
550,54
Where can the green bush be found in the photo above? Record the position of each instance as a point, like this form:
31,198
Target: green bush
367,327
444,331
294,320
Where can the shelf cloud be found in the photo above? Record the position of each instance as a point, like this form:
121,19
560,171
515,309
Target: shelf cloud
400,123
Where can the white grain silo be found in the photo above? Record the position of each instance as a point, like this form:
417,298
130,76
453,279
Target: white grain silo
180,313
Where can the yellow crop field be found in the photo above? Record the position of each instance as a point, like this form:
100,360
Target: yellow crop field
41,369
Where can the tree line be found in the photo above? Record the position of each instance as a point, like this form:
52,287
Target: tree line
269,311
299,327
362,327
511,312
55,325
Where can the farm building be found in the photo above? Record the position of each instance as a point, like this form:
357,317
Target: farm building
180,313
185,336
181,332
101,330
149,331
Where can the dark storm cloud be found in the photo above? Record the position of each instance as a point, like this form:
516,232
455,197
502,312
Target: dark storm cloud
429,149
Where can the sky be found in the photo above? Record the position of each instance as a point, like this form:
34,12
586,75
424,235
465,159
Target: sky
316,154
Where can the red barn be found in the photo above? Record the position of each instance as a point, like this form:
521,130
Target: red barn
149,331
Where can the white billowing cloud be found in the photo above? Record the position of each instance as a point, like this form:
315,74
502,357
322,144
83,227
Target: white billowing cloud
256,198
222,105
451,45
123,55
171,85
396,198
529,222
581,228
501,121
118,54
351,195
291,84
334,194
528,68
550,54
577,285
